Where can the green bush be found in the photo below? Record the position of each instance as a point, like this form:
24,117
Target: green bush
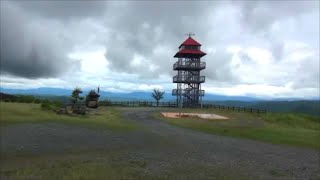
37,101
57,103
26,99
46,106
50,105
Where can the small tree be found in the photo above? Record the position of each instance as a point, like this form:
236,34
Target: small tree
75,96
157,95
92,96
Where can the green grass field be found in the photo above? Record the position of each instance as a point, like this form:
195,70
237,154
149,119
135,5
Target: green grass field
108,117
90,164
291,129
278,128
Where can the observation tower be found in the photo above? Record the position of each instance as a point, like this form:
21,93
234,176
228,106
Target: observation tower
188,79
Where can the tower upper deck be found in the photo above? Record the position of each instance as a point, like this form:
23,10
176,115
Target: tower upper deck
190,48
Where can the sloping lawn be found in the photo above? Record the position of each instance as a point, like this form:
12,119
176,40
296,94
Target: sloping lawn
279,128
108,117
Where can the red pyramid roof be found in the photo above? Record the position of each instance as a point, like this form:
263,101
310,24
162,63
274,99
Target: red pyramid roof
189,52
191,42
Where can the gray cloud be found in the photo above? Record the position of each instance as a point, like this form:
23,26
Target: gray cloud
31,48
215,24
260,15
65,9
149,26
307,74
277,49
141,37
219,67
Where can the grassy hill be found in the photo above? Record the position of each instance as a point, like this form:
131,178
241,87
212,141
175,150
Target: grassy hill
109,118
308,107
311,107
278,128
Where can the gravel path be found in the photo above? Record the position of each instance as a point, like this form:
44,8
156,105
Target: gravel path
165,146
257,156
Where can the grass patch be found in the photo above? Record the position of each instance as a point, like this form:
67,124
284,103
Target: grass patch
71,169
280,128
277,173
108,117
204,171
112,165
92,165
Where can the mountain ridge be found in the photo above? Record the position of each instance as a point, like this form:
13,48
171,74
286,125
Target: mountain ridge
138,95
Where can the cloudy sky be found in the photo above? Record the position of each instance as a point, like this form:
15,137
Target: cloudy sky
257,48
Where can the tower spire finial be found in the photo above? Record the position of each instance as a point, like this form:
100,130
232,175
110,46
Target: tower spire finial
190,34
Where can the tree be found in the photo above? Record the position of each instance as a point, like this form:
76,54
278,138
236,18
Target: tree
157,95
92,97
75,96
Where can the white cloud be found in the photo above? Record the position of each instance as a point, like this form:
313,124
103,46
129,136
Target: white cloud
93,62
264,91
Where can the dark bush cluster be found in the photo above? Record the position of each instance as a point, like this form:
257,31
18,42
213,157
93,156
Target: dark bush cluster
50,105
45,104
21,99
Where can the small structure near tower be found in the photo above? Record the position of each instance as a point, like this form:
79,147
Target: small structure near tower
188,79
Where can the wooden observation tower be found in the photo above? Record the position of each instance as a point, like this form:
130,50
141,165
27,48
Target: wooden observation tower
189,65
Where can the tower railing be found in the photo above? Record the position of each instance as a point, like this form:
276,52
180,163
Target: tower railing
178,92
188,79
189,65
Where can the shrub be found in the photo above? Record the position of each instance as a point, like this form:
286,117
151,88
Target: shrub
26,99
37,101
46,105
57,103
50,105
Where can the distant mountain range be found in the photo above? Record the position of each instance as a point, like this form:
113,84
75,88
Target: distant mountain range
142,95
311,106
139,95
